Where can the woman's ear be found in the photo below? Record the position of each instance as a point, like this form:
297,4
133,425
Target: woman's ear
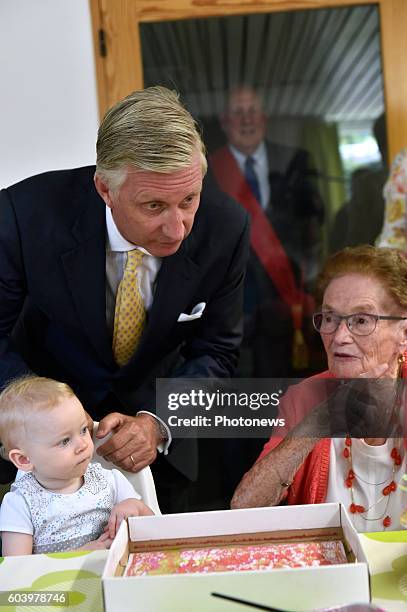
21,461
403,341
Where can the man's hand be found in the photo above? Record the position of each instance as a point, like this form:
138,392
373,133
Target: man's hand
133,444
121,511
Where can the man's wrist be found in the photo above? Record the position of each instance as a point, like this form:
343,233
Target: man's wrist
165,437
162,431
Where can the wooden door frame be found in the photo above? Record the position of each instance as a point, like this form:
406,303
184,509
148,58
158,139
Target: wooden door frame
118,51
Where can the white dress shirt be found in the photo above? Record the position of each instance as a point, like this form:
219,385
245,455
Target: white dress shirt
116,249
261,167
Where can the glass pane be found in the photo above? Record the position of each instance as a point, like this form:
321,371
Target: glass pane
292,111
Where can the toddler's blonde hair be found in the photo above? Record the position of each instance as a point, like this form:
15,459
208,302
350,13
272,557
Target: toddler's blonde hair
22,400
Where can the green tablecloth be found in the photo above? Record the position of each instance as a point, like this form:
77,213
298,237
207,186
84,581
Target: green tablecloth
387,556
79,573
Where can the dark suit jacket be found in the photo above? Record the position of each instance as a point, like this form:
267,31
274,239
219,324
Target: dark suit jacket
53,287
295,211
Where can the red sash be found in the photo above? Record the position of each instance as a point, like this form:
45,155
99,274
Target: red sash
265,243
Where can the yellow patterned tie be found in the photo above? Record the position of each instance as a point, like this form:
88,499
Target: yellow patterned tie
130,314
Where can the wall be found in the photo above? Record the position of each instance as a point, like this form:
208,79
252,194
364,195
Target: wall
48,102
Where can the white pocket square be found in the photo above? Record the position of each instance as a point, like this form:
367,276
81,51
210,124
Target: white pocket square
196,313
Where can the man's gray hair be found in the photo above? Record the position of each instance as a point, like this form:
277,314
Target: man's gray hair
149,130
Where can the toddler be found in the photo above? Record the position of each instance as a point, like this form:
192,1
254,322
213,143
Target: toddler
61,501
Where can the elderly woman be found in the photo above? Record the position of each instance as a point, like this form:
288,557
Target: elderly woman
363,326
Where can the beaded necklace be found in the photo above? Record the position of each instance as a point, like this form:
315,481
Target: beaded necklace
387,490
395,455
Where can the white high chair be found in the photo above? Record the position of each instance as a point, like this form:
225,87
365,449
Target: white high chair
142,481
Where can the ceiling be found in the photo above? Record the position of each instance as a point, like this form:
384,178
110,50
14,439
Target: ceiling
323,63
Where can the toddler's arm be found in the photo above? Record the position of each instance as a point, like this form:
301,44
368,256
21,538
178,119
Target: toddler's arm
14,543
124,509
16,526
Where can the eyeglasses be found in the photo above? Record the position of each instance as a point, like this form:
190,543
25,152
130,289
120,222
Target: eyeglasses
360,323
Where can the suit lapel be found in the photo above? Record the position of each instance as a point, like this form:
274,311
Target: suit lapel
85,272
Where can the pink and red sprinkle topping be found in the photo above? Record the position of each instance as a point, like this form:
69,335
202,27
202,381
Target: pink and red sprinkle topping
236,558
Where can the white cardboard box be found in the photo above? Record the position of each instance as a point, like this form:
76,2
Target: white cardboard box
290,589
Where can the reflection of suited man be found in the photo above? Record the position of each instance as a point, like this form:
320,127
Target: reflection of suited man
63,253
279,179
272,182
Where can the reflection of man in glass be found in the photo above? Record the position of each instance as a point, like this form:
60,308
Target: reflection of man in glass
245,124
272,182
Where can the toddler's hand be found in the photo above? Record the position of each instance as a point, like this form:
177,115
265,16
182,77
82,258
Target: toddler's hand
124,509
104,541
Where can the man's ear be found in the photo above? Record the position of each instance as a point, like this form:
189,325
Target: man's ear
21,461
103,190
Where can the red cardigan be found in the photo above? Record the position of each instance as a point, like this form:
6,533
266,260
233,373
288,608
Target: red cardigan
310,483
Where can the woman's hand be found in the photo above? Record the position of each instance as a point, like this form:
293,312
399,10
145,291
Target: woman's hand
379,371
361,407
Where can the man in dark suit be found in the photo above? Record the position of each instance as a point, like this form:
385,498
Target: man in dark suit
67,239
273,182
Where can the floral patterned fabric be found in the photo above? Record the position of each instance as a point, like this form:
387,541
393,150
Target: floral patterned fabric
394,232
